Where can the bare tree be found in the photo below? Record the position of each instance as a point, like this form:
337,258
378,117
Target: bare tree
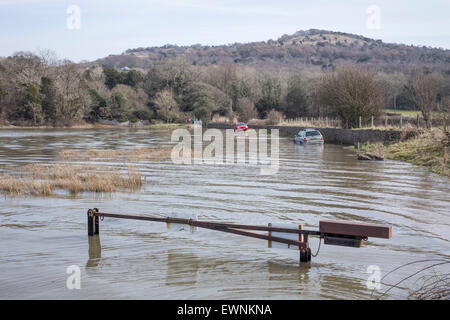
246,109
393,84
424,89
444,107
167,106
352,92
73,96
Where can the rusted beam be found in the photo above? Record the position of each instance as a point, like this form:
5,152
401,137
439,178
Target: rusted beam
133,217
299,244
206,223
224,227
356,229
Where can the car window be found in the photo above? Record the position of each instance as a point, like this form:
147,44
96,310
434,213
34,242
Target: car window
312,133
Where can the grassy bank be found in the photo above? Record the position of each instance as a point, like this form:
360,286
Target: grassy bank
429,149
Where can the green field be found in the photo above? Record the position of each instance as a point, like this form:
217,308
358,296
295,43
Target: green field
411,113
405,113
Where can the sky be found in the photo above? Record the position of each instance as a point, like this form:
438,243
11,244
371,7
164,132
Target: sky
87,30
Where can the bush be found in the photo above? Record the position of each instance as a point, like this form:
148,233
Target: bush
246,109
296,102
112,77
99,108
274,117
270,95
119,107
167,107
142,114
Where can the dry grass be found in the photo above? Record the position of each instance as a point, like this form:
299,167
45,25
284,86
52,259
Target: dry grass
221,119
321,122
17,186
257,122
43,180
428,149
434,287
134,154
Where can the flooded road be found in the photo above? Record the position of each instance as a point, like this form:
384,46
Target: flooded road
42,236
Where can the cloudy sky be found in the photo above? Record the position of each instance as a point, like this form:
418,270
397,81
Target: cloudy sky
87,30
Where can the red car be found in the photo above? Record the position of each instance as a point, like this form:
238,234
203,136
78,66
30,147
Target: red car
240,126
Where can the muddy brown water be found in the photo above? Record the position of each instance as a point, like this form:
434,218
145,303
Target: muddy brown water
42,236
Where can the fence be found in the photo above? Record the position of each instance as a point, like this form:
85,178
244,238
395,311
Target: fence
320,122
397,121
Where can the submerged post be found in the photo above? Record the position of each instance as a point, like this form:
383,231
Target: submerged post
305,253
93,222
90,222
96,222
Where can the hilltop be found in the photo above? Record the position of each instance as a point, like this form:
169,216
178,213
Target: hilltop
319,49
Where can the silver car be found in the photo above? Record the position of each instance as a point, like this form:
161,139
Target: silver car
308,136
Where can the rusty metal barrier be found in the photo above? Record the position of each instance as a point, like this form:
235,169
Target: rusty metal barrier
340,233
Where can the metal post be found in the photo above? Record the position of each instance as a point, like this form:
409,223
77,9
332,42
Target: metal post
90,222
305,253
96,222
93,222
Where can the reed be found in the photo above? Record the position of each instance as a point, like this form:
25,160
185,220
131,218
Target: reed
44,179
133,154
18,186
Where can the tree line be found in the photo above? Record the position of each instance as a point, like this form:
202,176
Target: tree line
39,89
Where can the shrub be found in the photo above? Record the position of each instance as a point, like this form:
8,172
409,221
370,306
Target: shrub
119,107
274,117
142,114
246,109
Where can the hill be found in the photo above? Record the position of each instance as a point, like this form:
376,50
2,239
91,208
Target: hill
313,48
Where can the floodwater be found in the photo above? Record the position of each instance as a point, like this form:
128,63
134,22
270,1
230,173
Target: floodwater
42,236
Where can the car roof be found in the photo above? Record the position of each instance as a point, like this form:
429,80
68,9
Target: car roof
309,130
